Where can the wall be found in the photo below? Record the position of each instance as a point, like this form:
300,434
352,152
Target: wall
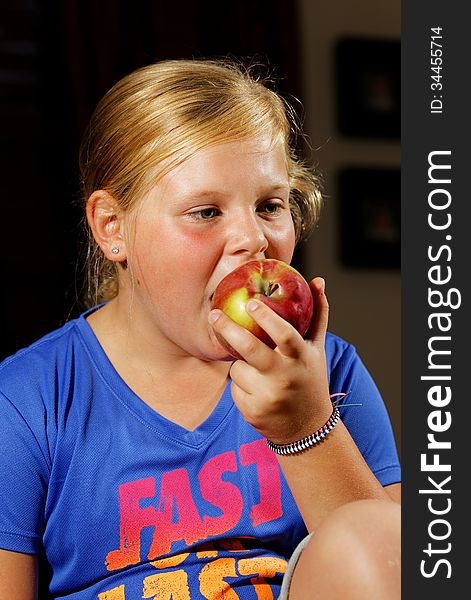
365,304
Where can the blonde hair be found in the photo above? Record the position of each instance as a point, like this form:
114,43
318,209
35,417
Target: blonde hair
156,117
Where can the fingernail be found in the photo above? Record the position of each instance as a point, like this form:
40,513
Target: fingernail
214,316
252,305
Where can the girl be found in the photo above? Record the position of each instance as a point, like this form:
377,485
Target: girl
134,457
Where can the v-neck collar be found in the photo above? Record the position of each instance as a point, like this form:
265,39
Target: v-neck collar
140,409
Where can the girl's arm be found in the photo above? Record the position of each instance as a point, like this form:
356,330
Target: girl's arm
394,492
284,394
18,576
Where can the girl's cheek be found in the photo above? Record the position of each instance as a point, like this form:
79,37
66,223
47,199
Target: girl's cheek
193,255
200,240
283,242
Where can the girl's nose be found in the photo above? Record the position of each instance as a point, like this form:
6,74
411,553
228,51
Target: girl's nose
246,236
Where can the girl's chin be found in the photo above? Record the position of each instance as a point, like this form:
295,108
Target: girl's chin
217,357
218,351
221,354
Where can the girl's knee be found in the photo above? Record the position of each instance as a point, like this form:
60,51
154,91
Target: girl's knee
365,520
355,552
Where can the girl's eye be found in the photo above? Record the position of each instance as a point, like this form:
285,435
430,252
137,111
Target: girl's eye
270,208
204,214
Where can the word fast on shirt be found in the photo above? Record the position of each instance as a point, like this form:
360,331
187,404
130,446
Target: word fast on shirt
175,497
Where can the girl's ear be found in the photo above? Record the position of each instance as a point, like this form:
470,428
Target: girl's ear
107,224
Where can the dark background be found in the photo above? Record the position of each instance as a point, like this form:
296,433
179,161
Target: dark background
57,59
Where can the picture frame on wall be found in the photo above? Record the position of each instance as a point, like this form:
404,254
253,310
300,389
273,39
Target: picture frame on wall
368,87
369,210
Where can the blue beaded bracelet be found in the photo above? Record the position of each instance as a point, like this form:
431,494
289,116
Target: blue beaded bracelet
309,440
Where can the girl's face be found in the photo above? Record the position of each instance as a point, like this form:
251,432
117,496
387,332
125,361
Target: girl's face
224,206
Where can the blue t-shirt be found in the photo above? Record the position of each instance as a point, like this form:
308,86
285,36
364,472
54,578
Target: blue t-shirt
121,503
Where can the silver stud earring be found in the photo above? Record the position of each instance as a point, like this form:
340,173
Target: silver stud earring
115,250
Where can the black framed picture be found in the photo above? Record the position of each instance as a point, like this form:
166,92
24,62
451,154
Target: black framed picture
368,87
370,217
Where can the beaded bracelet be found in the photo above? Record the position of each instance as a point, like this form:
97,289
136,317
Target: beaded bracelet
309,440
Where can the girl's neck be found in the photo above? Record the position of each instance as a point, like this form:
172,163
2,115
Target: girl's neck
182,388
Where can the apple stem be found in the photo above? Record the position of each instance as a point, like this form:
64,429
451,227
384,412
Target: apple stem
271,288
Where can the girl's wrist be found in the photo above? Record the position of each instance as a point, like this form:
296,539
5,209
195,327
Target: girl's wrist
307,441
302,424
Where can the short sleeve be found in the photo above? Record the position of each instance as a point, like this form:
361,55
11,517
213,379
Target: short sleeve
23,476
368,422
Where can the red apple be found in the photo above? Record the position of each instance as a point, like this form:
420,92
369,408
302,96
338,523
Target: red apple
273,282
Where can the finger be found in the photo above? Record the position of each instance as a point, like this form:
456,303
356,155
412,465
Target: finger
245,376
287,339
320,321
247,405
252,350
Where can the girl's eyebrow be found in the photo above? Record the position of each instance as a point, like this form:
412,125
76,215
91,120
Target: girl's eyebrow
191,196
277,188
265,189
280,187
268,189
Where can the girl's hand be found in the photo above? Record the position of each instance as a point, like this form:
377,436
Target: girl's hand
283,393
